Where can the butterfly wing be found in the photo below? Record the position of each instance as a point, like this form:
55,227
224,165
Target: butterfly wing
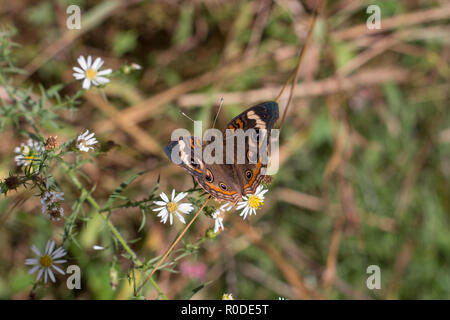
262,118
216,179
183,153
224,181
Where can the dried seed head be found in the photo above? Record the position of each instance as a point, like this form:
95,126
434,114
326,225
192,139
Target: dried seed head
51,143
12,182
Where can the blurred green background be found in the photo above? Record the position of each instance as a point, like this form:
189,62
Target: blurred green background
365,148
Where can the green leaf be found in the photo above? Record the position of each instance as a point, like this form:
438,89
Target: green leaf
121,188
197,289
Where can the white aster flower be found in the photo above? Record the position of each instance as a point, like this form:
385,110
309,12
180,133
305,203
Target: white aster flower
51,206
85,141
90,72
218,216
227,296
47,261
136,66
252,202
218,221
168,208
27,154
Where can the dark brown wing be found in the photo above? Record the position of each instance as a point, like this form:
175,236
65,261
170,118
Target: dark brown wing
216,179
262,118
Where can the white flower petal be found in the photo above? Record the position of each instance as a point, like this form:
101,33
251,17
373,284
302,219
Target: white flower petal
97,64
31,261
102,80
78,70
180,217
244,213
35,250
104,72
58,269
50,273
49,247
185,208
40,274
226,207
82,63
87,137
78,76
241,205
164,215
60,261
58,251
180,196
164,197
59,254
86,83
33,270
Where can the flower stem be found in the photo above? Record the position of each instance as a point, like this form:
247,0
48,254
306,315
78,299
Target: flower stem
111,226
173,245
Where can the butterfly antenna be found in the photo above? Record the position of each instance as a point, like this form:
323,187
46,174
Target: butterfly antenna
184,114
217,115
295,75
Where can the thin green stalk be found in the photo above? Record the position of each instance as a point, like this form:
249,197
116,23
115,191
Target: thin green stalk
111,226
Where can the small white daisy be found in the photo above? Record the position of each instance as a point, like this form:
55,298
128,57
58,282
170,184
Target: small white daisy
85,141
45,262
90,72
136,66
168,208
218,221
227,296
252,202
27,154
51,206
218,216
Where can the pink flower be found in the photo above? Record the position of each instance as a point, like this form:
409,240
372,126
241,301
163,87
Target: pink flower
195,270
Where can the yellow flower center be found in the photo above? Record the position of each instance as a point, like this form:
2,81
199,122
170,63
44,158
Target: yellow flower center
172,207
91,74
46,261
30,158
254,202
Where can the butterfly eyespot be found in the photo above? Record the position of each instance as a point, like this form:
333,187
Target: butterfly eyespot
223,186
248,174
209,176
